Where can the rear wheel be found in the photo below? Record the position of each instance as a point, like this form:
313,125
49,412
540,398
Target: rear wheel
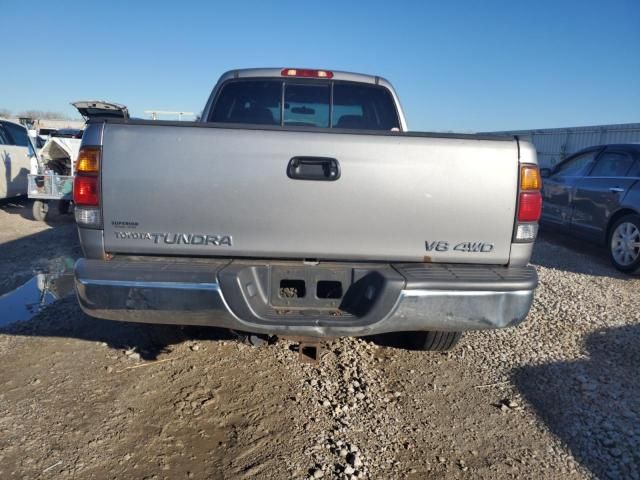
624,243
435,341
40,210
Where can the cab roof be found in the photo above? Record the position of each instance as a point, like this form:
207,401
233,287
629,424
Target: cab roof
277,72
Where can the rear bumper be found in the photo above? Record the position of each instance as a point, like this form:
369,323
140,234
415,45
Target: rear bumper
380,299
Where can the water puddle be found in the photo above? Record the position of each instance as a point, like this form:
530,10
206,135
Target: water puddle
54,282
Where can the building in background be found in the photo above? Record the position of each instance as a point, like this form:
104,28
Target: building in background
556,144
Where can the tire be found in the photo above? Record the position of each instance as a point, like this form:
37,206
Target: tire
623,243
40,210
435,341
63,206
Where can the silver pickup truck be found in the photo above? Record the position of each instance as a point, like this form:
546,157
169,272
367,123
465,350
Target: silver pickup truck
300,205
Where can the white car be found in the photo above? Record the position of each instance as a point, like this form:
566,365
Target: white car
16,158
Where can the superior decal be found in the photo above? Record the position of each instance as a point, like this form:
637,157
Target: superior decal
178,238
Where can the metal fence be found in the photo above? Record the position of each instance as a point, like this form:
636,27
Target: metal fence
555,144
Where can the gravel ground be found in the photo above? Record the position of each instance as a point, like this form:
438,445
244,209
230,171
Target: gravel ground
556,397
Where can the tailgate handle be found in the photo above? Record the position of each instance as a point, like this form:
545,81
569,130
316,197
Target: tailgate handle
314,168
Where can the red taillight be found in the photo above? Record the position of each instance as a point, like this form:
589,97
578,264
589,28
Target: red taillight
529,207
305,72
85,191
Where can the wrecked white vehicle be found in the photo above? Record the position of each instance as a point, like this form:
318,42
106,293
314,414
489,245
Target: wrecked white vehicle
52,177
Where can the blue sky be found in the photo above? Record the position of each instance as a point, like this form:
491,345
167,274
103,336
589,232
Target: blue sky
461,66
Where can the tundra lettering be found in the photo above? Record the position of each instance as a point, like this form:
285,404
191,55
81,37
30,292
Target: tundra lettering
192,239
178,238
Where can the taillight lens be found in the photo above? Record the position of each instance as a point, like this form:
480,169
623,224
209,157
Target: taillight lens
88,161
530,177
529,204
86,191
88,216
529,207
86,188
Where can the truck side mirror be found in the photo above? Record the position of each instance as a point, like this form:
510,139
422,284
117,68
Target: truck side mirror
545,172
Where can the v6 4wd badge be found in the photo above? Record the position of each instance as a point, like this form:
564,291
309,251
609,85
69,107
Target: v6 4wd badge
469,247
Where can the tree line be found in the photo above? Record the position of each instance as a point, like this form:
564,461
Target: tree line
42,114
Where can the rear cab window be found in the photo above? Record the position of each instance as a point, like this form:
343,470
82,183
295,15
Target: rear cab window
306,105
249,101
318,104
